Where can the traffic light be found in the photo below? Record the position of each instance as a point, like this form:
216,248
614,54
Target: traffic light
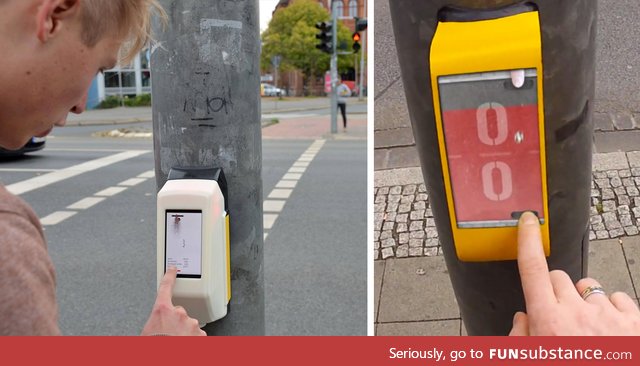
361,24
356,42
325,36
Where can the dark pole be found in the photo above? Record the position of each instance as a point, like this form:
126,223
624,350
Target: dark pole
206,113
490,293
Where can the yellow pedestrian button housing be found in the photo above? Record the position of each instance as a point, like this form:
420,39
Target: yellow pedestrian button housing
486,78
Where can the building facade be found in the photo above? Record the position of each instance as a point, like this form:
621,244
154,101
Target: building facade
127,80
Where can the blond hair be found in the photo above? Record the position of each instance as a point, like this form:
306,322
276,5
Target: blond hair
130,19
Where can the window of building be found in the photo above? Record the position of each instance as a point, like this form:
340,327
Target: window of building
353,8
120,80
132,79
339,9
145,70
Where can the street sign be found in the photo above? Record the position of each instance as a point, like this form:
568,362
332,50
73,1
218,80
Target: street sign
275,60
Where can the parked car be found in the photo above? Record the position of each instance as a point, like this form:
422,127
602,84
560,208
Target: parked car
35,144
269,90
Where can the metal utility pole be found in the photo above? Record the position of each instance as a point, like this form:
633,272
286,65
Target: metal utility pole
362,53
206,113
334,68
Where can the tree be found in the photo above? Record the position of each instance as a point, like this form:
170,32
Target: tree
292,35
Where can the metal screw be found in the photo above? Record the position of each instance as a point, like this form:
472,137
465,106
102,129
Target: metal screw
518,137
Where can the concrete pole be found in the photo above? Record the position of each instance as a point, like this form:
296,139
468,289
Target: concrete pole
334,69
206,112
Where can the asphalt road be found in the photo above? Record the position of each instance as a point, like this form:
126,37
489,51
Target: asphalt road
315,252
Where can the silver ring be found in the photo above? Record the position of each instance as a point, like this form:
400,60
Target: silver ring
592,290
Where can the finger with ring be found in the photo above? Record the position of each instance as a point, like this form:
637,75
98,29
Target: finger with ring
592,290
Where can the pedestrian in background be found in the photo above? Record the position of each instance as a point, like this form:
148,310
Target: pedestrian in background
343,93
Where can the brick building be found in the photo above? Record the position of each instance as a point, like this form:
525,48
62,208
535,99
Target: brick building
292,81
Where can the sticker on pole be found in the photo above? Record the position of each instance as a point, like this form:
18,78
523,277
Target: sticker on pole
491,133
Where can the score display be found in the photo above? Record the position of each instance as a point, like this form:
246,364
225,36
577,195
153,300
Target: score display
491,133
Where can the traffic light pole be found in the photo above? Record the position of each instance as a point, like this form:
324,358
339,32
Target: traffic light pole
206,113
334,68
364,50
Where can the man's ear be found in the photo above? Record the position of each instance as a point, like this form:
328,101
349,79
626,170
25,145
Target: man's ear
51,14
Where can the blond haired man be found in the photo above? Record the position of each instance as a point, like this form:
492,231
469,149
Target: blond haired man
52,50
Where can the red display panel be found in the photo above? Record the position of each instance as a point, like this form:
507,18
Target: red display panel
491,131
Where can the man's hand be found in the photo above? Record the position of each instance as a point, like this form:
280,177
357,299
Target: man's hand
554,304
167,319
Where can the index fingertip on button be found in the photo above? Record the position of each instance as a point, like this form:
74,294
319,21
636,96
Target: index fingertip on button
529,217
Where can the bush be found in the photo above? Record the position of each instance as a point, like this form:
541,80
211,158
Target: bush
143,100
113,101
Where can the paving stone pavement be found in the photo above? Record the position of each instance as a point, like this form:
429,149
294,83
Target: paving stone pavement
404,225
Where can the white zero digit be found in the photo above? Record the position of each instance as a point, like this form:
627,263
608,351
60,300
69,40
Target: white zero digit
483,125
487,181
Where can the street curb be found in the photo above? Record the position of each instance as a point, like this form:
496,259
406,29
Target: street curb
129,121
310,109
107,122
138,134
142,120
331,136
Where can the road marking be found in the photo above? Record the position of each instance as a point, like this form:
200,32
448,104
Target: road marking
66,173
111,191
292,176
269,220
273,205
148,174
280,193
25,170
57,217
84,150
288,182
132,182
85,203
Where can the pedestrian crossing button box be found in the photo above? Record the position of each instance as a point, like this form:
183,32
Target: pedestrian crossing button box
193,236
486,77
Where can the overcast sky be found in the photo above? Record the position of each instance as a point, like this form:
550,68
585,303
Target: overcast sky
266,8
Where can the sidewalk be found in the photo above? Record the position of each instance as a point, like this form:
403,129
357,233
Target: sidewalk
413,294
315,127
127,115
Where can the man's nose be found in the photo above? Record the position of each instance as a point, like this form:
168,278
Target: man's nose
81,106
